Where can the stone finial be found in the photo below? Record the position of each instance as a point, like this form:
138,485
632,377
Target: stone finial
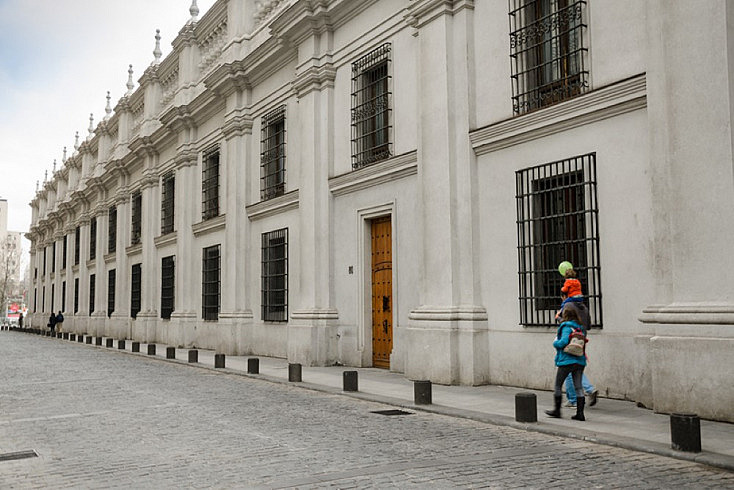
157,51
45,176
130,84
37,184
63,159
194,11
91,124
54,167
108,108
76,140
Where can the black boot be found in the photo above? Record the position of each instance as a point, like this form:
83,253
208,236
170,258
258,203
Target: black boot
556,412
580,402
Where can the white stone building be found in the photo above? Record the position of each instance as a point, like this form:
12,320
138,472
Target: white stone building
393,183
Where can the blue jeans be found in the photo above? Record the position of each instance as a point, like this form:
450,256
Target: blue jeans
571,391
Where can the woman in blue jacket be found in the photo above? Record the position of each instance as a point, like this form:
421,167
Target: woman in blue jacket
568,363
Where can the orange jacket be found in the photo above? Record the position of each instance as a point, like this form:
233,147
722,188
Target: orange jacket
572,287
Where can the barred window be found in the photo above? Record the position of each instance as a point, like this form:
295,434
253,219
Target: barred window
275,276
93,238
547,52
371,100
77,245
272,154
45,257
111,285
112,229
168,189
65,251
168,279
210,185
63,296
53,290
53,258
135,290
92,286
557,220
210,286
43,298
137,218
76,295
35,299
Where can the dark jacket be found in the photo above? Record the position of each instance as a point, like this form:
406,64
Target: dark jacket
59,318
52,320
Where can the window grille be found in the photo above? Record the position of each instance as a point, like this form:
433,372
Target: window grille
137,218
93,239
92,286
111,285
45,255
168,189
275,276
35,299
557,220
77,245
53,258
371,98
135,290
168,278
210,287
43,298
53,291
112,229
63,296
547,52
76,295
65,251
210,185
272,154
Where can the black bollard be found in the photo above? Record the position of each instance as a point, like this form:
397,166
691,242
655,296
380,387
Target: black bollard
121,344
136,346
526,407
294,372
89,339
151,349
193,355
350,381
422,392
253,365
80,338
66,335
685,432
219,361
72,337
98,341
109,342
170,353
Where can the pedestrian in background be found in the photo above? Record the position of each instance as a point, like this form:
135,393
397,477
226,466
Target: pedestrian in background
59,320
52,322
589,389
568,364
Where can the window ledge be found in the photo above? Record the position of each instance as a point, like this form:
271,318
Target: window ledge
619,98
134,249
110,257
273,206
388,170
91,263
209,226
167,239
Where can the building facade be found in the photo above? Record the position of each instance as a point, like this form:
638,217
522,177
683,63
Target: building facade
392,183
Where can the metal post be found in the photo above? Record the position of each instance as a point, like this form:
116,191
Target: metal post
350,381
294,372
526,407
193,355
253,365
422,392
685,432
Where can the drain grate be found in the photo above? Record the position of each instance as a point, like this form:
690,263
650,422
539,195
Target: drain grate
18,455
392,412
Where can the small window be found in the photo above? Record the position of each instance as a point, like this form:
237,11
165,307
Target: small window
210,287
557,220
112,229
210,185
76,295
275,276
63,296
371,99
77,245
92,287
45,257
168,189
65,251
272,154
135,290
137,218
168,285
53,258
547,52
53,290
93,239
111,286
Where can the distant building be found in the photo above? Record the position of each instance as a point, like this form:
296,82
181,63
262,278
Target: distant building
393,183
10,254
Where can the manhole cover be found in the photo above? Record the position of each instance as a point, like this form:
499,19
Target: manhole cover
392,412
18,455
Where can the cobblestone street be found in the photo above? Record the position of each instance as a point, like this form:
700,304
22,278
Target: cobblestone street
99,418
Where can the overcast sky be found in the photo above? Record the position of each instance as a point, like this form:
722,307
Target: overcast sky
58,59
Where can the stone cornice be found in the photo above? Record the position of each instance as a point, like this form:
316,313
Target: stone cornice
689,314
186,156
314,78
227,78
394,168
612,100
274,206
209,226
237,125
150,178
422,12
165,240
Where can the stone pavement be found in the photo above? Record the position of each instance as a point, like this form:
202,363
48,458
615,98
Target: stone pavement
102,418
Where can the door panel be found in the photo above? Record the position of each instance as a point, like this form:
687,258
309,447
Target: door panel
381,292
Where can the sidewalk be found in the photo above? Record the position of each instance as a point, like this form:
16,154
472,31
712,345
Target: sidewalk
611,422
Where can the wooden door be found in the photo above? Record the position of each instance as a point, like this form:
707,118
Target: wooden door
381,292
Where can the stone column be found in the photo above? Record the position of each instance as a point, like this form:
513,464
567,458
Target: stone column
147,317
118,324
448,333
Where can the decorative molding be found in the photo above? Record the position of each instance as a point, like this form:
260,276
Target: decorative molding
209,226
164,240
134,249
449,313
314,78
110,257
689,313
237,125
394,168
422,12
315,314
271,207
619,98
